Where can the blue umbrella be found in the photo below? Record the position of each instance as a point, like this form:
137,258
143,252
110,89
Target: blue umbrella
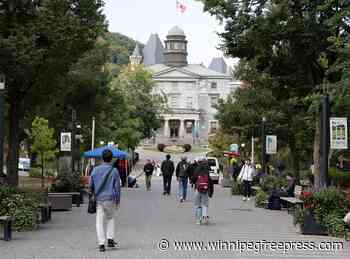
97,152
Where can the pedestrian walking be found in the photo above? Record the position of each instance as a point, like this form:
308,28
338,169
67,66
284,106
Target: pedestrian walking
148,170
105,185
204,189
167,167
182,177
246,175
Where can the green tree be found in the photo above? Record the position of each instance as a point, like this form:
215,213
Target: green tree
290,42
43,142
135,107
39,41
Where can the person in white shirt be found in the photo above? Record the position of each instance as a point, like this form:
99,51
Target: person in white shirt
246,175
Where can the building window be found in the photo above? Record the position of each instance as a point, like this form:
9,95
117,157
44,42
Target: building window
214,125
214,85
174,101
214,100
189,102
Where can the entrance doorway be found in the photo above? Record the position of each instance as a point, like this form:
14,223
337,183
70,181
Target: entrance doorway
174,126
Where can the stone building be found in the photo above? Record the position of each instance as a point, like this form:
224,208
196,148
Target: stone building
191,89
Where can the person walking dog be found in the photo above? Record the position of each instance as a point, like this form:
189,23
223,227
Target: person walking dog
105,185
246,175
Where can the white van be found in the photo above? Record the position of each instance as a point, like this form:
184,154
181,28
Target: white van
214,168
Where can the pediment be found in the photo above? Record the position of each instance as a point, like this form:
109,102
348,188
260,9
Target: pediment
175,73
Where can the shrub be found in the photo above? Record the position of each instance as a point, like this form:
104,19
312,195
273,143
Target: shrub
261,199
22,207
35,172
237,188
67,182
187,147
329,201
161,147
339,178
334,225
329,207
270,182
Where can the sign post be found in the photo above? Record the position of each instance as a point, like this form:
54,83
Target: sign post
339,133
271,144
66,141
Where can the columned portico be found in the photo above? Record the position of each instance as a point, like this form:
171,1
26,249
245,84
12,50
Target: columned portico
166,128
180,127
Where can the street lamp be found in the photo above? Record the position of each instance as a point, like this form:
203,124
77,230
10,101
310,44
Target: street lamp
263,145
2,89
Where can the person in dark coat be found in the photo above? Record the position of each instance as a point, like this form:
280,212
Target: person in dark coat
167,167
148,169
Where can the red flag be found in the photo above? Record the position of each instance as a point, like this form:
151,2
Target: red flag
180,6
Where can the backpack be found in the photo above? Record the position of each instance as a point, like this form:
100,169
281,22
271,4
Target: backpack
274,202
202,184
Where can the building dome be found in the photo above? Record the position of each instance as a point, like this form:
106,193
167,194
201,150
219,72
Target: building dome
176,31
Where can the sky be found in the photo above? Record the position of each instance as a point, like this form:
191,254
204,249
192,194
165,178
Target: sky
138,19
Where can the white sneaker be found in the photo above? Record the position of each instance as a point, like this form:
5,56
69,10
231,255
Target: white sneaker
248,199
244,198
198,222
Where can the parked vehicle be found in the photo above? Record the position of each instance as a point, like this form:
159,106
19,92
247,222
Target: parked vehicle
214,169
24,164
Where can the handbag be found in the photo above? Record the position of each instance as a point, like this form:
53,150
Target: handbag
92,196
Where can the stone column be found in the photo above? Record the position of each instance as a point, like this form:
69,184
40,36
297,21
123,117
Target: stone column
182,129
166,128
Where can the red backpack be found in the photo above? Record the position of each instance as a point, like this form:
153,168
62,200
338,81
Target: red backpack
202,184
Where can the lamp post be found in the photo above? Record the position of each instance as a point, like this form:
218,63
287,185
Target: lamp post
74,117
2,88
263,145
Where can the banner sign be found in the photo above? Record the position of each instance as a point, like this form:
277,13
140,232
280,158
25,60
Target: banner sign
66,141
339,133
271,144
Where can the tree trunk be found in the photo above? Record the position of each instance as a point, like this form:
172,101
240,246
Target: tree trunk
12,161
317,157
42,170
295,160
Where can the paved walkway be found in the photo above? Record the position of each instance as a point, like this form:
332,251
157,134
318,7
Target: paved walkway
146,218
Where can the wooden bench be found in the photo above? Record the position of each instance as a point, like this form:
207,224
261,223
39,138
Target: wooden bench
45,212
294,201
7,222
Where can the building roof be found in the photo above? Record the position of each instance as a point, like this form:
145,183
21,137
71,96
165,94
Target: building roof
176,31
219,65
137,51
153,52
197,70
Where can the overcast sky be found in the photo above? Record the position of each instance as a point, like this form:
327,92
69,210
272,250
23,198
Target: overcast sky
139,18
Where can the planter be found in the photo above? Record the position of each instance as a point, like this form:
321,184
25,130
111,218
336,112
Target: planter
311,226
60,201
